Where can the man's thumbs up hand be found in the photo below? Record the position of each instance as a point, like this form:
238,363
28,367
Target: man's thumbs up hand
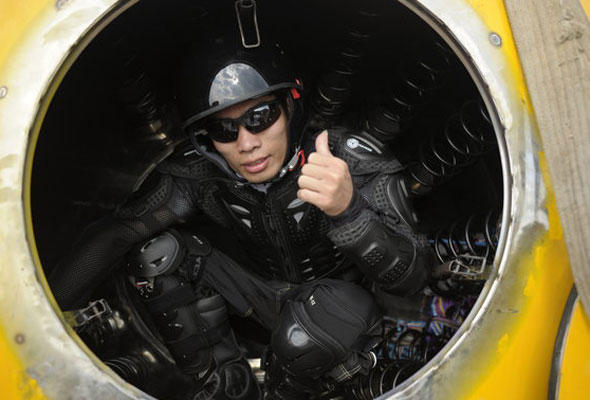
325,180
321,144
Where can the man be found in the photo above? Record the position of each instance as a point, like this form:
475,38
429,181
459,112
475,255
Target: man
318,216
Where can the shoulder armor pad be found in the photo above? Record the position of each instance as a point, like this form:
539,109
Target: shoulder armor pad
187,163
362,154
154,192
389,194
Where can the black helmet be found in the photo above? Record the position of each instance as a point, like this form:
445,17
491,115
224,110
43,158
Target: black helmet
222,73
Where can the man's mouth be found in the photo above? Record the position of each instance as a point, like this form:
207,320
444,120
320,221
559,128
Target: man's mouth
257,165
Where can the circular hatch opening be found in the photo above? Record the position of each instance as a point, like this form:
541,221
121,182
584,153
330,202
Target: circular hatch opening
374,67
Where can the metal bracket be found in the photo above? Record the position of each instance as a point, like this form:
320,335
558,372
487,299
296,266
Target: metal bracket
246,9
464,265
98,309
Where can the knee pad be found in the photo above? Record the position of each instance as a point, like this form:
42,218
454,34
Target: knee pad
325,324
164,254
193,322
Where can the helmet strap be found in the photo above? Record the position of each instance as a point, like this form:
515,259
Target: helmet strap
290,166
212,156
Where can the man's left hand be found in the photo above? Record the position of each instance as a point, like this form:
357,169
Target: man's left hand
325,180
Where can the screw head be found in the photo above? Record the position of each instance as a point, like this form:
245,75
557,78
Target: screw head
19,338
3,91
495,39
59,4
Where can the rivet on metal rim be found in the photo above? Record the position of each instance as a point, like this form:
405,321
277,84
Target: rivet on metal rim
59,4
3,91
19,338
495,39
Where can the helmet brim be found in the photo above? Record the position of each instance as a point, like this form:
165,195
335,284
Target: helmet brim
267,90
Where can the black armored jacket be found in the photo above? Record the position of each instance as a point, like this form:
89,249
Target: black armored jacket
284,237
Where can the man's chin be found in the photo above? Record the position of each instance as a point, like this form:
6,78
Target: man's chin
260,177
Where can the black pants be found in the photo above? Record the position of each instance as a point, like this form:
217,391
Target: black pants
247,294
326,328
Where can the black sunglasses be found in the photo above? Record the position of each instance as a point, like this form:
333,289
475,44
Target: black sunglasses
255,120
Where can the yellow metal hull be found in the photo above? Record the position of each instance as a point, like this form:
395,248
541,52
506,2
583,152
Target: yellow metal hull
503,351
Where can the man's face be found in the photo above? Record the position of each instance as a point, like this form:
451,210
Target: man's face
257,157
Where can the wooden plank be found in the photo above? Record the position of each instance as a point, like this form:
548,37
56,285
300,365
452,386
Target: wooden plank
553,41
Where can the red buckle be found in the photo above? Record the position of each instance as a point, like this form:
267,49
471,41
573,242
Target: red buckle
301,155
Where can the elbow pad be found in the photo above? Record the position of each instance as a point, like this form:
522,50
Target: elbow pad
391,260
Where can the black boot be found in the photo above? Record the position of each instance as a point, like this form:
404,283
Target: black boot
233,378
205,347
279,384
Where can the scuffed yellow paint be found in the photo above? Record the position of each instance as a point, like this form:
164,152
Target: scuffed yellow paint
522,366
15,383
13,28
503,344
523,360
493,14
17,19
521,370
575,368
529,289
586,6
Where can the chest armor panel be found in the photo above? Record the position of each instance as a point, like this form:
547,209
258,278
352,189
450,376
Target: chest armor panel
283,237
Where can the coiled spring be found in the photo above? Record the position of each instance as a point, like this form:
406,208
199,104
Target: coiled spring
402,356
410,345
135,369
383,378
464,251
419,77
477,236
466,137
139,97
334,88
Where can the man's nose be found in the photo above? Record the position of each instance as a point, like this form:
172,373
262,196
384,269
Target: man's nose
247,141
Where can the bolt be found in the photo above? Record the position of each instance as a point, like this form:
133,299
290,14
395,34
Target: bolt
495,39
19,338
3,91
59,4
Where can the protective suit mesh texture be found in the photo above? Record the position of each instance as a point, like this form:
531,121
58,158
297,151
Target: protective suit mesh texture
180,203
380,193
157,197
92,260
394,274
374,256
310,227
418,240
350,233
358,165
210,206
197,169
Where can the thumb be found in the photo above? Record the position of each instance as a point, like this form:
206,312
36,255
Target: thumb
321,144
